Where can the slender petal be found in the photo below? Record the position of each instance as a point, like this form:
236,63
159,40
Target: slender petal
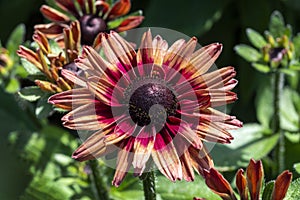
255,175
241,184
218,184
53,15
130,23
165,157
281,186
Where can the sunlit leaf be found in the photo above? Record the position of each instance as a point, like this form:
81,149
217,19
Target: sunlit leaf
249,142
31,93
30,68
15,39
182,190
277,26
261,67
43,108
264,105
248,53
255,38
297,167
293,192
12,86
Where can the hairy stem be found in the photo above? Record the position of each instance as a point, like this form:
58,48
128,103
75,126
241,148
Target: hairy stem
149,185
101,192
280,150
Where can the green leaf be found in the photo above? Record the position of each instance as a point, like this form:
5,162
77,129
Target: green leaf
30,68
255,38
277,25
293,192
249,142
16,38
268,189
248,53
296,42
127,194
12,86
288,72
264,105
31,93
289,117
182,190
43,108
297,167
261,67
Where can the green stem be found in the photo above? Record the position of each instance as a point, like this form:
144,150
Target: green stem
101,192
149,185
280,150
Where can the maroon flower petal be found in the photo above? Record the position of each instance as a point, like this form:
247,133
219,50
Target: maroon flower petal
54,15
281,186
218,184
241,184
255,175
143,145
122,7
130,23
51,30
69,6
165,156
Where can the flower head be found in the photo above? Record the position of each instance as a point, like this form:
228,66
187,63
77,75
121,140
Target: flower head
95,16
50,62
251,183
153,104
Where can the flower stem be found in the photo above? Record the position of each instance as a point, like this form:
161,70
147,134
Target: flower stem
280,150
101,192
149,185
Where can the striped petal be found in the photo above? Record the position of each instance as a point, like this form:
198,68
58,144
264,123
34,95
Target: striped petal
200,159
88,117
165,156
69,6
54,15
143,146
124,161
51,30
72,98
130,23
255,175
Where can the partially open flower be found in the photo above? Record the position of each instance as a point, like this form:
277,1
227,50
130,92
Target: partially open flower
153,104
95,16
51,63
249,184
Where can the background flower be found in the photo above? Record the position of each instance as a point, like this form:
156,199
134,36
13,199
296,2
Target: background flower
94,16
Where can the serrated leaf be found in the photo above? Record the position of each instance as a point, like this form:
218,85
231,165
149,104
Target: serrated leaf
16,38
268,189
43,108
31,93
249,142
297,167
293,192
277,25
255,38
261,67
30,68
248,53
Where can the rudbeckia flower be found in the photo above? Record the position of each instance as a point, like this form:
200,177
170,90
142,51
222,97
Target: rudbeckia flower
50,62
150,105
95,16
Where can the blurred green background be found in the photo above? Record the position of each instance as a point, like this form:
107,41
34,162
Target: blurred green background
221,21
